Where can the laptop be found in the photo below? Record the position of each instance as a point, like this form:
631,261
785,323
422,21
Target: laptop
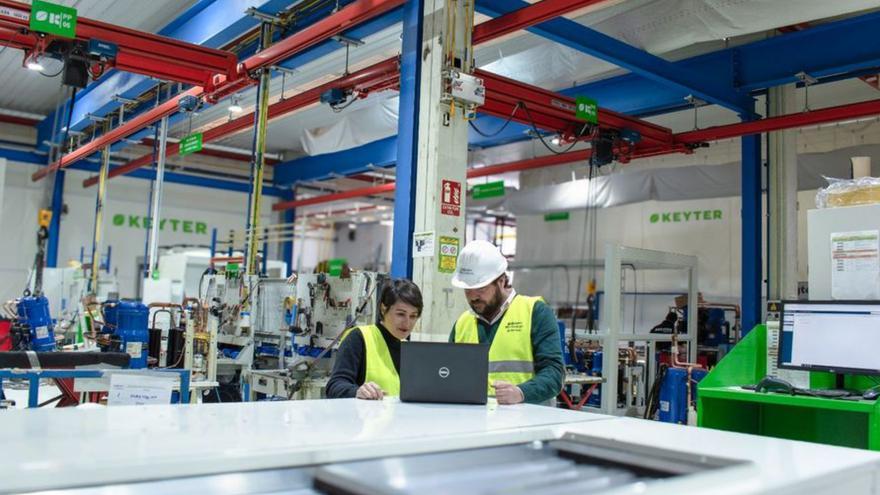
444,372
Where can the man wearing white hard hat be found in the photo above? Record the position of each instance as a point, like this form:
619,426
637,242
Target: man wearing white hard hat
525,358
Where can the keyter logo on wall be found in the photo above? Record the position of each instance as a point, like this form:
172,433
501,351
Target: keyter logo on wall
166,224
686,216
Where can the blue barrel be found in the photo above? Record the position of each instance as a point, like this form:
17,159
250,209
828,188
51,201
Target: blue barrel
673,394
132,319
34,312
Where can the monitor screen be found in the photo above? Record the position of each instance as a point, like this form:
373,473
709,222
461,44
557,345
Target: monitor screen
833,336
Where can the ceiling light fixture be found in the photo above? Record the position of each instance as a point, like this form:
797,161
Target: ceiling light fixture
34,65
235,107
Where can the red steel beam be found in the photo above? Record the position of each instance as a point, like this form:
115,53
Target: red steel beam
14,119
527,17
344,19
332,25
327,198
549,110
138,51
501,168
121,132
791,121
553,111
360,79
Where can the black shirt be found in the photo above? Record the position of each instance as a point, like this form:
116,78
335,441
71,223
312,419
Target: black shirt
350,369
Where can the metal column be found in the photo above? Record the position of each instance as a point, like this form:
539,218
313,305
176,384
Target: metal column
782,239
155,209
407,139
99,215
436,146
55,224
261,121
289,218
752,272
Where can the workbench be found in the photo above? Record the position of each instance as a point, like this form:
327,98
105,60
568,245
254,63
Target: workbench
63,448
722,403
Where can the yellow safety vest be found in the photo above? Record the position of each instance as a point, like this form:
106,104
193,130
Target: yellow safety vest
380,366
510,356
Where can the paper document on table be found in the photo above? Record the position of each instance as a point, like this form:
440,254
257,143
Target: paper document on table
138,390
855,265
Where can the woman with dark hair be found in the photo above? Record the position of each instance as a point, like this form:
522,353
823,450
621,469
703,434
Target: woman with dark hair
368,360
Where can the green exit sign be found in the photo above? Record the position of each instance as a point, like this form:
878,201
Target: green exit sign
53,19
488,190
587,109
191,144
556,217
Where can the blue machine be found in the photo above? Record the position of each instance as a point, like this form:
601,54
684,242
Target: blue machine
33,311
110,310
132,318
673,394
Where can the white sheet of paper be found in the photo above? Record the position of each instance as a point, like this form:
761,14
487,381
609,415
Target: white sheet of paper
855,265
423,244
138,390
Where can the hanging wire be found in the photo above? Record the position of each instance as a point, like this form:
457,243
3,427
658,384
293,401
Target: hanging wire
580,133
501,129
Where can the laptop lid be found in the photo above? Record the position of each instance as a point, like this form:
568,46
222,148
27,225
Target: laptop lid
444,372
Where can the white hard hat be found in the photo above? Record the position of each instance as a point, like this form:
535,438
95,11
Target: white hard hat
479,263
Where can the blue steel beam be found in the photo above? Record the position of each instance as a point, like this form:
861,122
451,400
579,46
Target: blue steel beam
406,153
55,224
828,52
381,153
752,269
147,174
289,218
706,86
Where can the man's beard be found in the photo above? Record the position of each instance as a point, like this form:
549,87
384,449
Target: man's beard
491,307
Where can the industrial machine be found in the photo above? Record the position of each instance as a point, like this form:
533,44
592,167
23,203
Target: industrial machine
125,330
312,316
32,326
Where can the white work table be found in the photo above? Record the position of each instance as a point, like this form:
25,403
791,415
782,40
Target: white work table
56,448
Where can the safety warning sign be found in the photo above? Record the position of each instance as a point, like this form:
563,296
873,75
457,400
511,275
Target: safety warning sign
450,198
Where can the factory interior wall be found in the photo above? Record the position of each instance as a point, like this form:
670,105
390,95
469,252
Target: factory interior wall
366,247
190,213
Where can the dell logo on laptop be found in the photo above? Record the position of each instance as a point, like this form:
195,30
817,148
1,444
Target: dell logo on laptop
443,372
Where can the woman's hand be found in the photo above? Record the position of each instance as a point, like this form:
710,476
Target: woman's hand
370,391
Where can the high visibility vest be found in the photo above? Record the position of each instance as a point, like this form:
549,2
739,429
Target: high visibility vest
380,366
510,356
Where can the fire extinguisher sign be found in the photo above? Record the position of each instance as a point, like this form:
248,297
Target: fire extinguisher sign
450,198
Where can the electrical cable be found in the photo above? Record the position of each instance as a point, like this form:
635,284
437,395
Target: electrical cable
339,108
501,129
52,75
580,134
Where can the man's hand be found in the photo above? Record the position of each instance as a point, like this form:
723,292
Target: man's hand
507,393
370,391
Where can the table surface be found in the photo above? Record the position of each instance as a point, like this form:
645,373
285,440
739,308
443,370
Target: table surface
76,447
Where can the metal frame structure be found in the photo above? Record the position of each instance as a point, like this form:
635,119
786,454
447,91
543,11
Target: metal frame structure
34,376
727,77
611,332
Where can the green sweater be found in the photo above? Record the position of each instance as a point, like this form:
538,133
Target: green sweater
549,368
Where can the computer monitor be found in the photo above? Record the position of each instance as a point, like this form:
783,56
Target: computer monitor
831,336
